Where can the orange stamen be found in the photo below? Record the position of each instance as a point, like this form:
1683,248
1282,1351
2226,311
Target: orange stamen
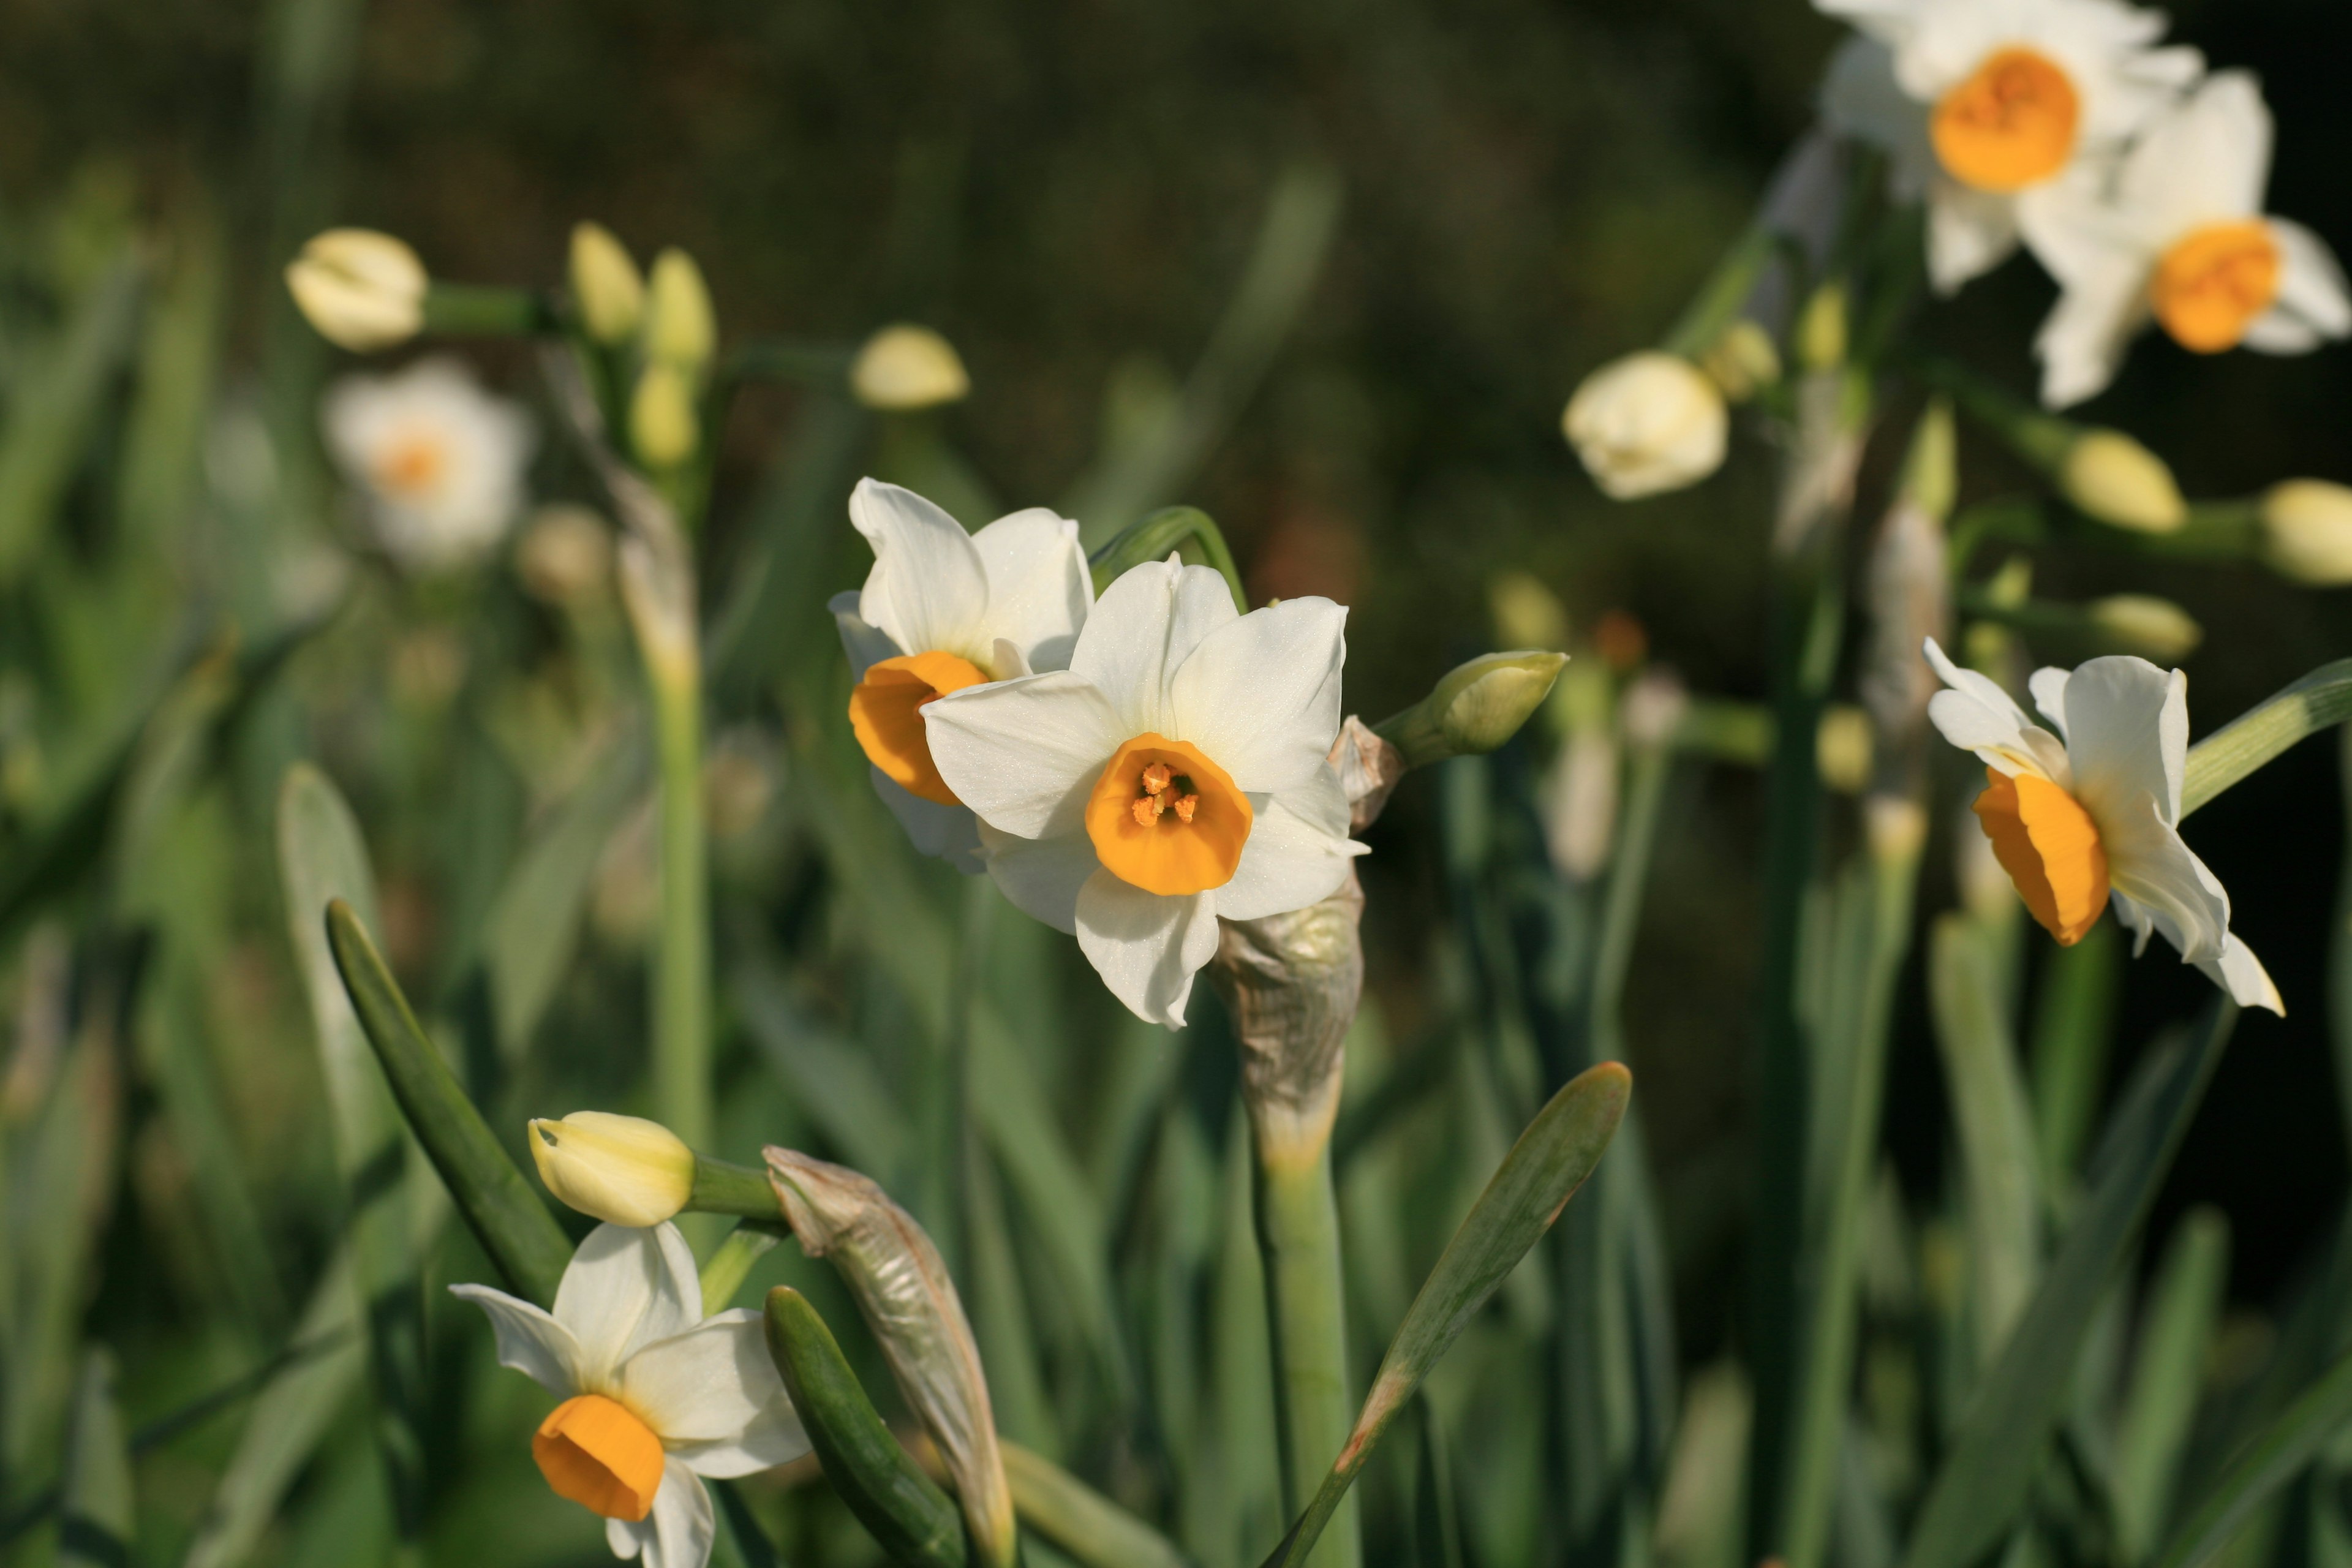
2212,283
2050,849
1125,817
412,465
2010,124
1186,806
885,711
594,1451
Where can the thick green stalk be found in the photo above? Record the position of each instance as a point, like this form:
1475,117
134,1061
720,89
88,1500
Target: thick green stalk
1298,1235
2254,738
682,970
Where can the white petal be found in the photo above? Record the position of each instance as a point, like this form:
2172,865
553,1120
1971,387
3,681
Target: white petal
1146,947
950,832
715,1387
530,1340
1041,876
2082,340
1297,853
1976,715
1038,585
679,1531
2313,304
865,646
2149,863
2205,161
1261,694
625,1288
927,590
1140,632
2048,685
2242,974
1023,753
1861,98
2127,734
1969,233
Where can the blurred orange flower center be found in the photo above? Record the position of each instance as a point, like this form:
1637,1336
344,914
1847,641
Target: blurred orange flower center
593,1452
412,465
2212,283
1165,818
2010,124
2050,849
886,712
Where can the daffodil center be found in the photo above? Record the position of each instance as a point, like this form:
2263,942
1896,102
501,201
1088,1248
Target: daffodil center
411,466
2010,124
2211,283
885,711
595,1452
1165,818
2050,849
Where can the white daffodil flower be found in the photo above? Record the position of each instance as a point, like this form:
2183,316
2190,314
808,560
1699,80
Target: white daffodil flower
2179,236
440,460
2091,815
942,610
1982,105
1174,774
655,1395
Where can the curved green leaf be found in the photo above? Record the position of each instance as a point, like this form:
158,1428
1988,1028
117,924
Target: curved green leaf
2270,1461
1080,1520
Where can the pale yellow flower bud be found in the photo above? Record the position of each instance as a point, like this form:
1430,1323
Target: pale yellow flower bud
2115,479
623,1169
607,284
361,289
1481,705
1821,332
663,424
2307,531
566,554
681,329
1743,361
1526,614
905,367
1842,749
1648,423
2154,629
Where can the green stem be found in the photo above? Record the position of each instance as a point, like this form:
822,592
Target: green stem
488,311
731,1264
1175,528
682,972
2322,698
1298,1233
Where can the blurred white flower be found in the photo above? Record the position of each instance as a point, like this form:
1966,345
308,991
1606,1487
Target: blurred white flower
1175,773
2093,817
1982,105
1647,423
942,610
440,459
360,289
2179,236
656,1395
906,367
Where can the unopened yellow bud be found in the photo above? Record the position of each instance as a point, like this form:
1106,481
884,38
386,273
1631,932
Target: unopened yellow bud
663,424
681,329
2307,531
565,556
623,1169
1526,614
1743,361
1481,705
1646,424
1820,334
2154,629
2114,478
906,367
607,284
361,289
1842,749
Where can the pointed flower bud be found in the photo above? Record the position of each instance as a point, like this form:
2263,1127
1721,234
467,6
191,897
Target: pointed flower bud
2154,629
2307,531
906,367
1476,708
663,424
681,329
1648,423
623,1169
902,1288
2120,482
1822,330
607,284
361,289
1527,612
1743,361
1841,748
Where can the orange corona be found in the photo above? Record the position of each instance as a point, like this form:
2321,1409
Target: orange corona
594,1451
1165,818
2210,286
886,712
2050,849
2010,124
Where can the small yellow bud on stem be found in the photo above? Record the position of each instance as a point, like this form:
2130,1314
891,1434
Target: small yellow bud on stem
623,1169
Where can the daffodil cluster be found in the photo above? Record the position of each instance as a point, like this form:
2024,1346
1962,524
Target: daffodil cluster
2134,178
1130,771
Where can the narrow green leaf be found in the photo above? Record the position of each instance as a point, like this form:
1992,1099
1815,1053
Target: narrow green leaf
2273,1458
909,1516
1551,1160
2167,1373
94,1526
1080,1520
2256,736
506,1217
2073,1025
730,1262
1186,530
1989,1469
48,436
835,1080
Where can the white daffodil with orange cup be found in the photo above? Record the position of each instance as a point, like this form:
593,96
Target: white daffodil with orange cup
1984,106
2090,815
943,610
656,1395
439,460
2179,237
1175,773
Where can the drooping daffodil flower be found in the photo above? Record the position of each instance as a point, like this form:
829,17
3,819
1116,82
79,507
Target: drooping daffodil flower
942,610
1983,106
2181,238
1173,774
439,460
656,1395
2090,815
